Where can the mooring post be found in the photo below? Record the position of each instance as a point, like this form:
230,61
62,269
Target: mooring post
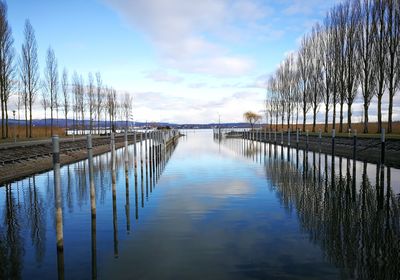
307,140
333,141
91,176
269,135
59,218
319,140
145,145
275,137
288,139
112,152
354,145
126,145
134,149
383,146
297,139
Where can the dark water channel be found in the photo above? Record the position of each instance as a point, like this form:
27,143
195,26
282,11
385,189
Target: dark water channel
214,209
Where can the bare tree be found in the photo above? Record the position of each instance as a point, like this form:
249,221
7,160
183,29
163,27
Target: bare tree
127,107
112,107
29,68
7,67
366,40
351,59
304,61
66,99
91,100
327,66
45,104
379,56
51,83
76,98
393,49
100,102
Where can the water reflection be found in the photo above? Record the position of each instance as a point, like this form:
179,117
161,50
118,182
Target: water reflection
30,221
355,222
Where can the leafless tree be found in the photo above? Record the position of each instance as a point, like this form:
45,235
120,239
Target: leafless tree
29,69
393,59
304,62
112,107
127,106
366,40
379,51
327,66
51,83
100,102
66,98
351,59
7,67
91,100
45,104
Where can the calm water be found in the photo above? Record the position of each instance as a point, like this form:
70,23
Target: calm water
227,209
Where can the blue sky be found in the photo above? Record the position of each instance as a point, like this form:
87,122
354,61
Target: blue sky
183,61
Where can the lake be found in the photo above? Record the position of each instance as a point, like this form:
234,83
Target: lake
212,209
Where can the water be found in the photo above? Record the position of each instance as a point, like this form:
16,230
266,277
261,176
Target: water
229,209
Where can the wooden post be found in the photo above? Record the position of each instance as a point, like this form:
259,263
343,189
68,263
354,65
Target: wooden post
319,140
333,142
126,145
58,207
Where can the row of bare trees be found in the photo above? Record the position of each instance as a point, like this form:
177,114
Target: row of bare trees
354,53
90,102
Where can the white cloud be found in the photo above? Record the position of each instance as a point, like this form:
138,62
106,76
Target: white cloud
193,36
163,76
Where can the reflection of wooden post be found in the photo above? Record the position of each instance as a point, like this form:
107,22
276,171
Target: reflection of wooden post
92,206
59,219
114,196
333,142
127,204
91,177
126,145
134,149
383,146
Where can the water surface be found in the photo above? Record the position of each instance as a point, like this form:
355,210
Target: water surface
213,209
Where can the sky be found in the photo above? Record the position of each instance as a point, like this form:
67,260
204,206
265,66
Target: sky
183,61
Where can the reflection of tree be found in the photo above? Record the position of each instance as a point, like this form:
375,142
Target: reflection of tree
355,234
11,243
36,215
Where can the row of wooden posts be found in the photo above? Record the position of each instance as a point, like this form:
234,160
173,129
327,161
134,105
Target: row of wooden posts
260,135
155,143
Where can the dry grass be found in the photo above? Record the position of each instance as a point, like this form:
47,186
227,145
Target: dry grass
37,132
359,127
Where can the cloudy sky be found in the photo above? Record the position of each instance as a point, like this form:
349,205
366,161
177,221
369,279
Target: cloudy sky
182,60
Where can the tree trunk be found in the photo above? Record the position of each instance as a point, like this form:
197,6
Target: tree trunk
389,127
365,118
30,118
379,113
341,116
349,116
6,110
26,120
314,118
326,117
51,121
304,117
334,116
45,123
2,117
